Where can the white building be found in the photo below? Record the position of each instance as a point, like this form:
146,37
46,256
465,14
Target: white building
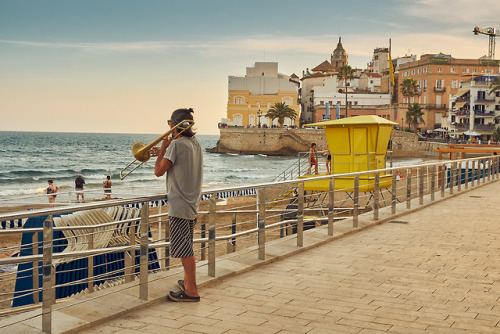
329,93
473,110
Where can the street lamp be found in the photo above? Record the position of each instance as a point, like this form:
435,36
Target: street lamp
259,115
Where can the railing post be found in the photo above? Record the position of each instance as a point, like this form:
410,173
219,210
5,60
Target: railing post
300,216
484,170
466,183
433,181
203,234
473,173
211,236
497,167
421,185
376,203
394,189
331,206
143,253
231,243
166,260
261,223
36,271
90,261
408,189
355,211
443,179
490,169
452,176
459,176
47,288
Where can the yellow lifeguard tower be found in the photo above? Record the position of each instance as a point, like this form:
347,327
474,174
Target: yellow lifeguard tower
356,144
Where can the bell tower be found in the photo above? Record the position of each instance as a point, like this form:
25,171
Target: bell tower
339,56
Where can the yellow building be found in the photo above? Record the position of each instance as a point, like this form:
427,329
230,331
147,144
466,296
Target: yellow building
251,96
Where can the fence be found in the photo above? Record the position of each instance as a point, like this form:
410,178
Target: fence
81,249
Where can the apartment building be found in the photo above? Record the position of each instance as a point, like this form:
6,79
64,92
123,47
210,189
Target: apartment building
439,76
474,111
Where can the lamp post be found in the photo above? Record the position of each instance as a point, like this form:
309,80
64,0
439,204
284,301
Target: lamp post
259,115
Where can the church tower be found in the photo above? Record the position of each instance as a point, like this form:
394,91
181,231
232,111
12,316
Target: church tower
339,56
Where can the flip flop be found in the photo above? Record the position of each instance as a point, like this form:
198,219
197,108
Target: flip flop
180,284
181,296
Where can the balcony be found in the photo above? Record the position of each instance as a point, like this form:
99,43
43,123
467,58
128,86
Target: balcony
433,106
477,127
483,101
439,89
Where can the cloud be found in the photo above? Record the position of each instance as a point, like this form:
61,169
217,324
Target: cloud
454,12
359,46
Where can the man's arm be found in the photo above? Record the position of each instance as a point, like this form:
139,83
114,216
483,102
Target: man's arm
162,164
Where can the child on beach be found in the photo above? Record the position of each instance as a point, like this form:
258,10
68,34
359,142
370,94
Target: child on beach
52,189
107,186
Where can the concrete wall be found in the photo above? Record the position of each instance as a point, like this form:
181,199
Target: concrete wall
290,142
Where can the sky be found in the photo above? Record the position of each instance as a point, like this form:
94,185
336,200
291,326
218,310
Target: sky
122,66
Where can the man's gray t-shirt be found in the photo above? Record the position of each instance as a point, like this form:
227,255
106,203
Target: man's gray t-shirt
184,177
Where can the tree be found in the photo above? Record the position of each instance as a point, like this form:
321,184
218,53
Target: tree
409,88
280,110
414,116
495,86
345,73
496,134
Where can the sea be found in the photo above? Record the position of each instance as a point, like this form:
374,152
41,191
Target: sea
29,159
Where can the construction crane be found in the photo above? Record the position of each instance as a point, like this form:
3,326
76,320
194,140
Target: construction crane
492,33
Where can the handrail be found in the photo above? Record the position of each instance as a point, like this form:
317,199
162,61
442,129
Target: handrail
449,177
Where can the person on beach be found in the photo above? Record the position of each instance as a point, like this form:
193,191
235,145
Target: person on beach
312,159
328,160
79,182
52,190
181,158
107,186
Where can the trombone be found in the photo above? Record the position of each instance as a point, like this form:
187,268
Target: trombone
141,152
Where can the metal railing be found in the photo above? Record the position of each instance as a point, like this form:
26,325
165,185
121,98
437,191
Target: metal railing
290,217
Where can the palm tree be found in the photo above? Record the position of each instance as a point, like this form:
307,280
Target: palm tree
347,73
280,110
409,88
414,116
495,86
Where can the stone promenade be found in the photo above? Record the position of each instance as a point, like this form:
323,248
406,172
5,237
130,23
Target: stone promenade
436,270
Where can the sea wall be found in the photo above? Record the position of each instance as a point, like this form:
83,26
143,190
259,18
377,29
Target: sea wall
278,141
270,141
406,145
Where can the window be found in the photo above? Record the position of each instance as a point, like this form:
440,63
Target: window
465,70
419,71
486,70
425,84
474,70
454,83
481,95
425,70
239,100
413,72
440,69
425,99
453,70
439,83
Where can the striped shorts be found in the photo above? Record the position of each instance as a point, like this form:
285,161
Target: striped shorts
181,237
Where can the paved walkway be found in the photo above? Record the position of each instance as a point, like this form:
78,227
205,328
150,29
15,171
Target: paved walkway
433,271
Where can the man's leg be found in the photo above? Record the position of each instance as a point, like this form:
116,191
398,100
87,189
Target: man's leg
189,264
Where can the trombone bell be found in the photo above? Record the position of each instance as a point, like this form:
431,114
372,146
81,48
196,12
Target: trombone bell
141,152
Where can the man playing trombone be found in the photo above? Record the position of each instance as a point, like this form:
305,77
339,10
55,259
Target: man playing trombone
181,157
